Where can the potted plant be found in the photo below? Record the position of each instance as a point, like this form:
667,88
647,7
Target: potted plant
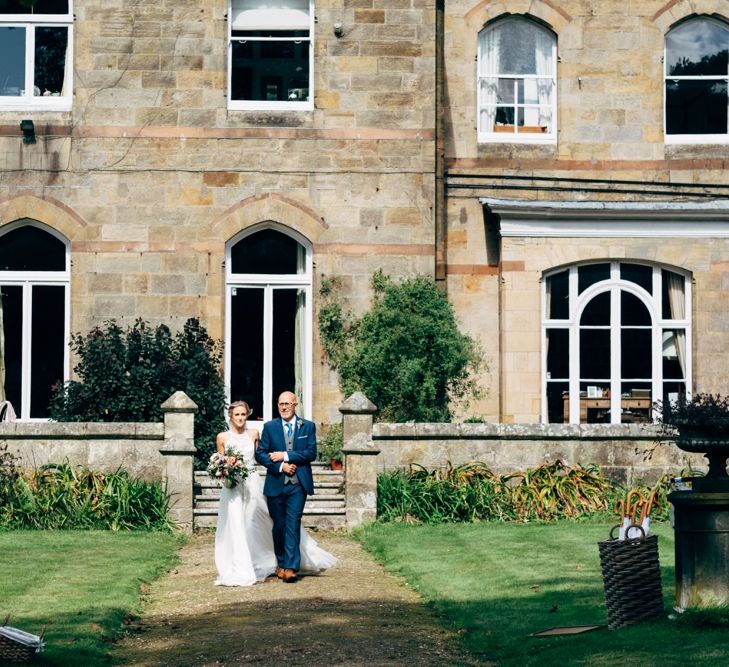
329,448
700,424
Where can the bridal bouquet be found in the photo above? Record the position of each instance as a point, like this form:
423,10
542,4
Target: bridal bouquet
229,468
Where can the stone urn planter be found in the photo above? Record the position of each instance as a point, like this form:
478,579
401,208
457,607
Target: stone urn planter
701,515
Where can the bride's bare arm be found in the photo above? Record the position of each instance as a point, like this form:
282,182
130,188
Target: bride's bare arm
220,443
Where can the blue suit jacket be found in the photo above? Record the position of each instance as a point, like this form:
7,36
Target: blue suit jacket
302,454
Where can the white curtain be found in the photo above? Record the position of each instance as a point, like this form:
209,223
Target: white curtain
490,48
677,304
545,72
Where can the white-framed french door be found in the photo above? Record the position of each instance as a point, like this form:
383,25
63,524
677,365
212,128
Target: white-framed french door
268,324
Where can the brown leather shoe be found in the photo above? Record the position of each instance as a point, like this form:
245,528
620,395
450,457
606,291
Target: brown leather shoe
289,576
280,572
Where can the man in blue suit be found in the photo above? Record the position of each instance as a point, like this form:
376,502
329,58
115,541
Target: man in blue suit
286,449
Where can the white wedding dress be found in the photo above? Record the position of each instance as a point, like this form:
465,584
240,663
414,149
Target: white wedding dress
243,541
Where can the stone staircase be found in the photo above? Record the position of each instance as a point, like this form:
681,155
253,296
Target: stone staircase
325,509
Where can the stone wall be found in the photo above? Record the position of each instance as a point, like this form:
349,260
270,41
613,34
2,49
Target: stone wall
628,454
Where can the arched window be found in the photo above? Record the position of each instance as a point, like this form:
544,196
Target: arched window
617,337
517,78
268,323
696,72
34,306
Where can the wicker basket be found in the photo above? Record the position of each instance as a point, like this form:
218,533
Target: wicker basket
18,646
632,579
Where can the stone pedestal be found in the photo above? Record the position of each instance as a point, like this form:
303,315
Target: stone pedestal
701,524
178,453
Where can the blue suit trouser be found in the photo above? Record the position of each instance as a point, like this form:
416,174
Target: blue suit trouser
286,510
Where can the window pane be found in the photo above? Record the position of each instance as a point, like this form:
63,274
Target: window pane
12,304
595,354
696,107
29,248
558,296
635,402
597,312
635,346
39,7
633,311
267,251
673,392
50,60
589,274
674,354
270,71
507,91
288,341
47,346
697,48
246,348
558,350
557,402
12,61
639,274
521,42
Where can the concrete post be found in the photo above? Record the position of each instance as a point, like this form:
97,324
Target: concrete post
178,453
360,460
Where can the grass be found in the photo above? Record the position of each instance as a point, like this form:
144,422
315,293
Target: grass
79,585
495,583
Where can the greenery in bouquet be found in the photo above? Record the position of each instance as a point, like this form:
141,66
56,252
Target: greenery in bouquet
708,413
228,468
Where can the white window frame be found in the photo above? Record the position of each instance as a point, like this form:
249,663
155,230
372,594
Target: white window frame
269,283
27,280
253,105
29,101
614,285
693,138
485,136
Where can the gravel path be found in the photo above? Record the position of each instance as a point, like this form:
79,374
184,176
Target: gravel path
354,614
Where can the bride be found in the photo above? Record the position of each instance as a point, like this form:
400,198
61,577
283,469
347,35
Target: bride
243,540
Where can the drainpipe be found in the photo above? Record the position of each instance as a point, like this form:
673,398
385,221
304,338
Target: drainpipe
439,205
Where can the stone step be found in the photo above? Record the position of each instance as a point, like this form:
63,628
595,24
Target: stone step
328,521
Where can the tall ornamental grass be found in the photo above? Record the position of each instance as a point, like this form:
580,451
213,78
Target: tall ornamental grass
473,492
66,496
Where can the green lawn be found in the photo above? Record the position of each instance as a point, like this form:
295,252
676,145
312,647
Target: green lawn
79,585
498,583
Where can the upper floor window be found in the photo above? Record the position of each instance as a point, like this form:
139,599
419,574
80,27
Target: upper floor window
270,55
617,338
696,73
35,54
516,82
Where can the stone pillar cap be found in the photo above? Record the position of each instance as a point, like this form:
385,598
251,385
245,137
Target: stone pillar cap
358,403
179,402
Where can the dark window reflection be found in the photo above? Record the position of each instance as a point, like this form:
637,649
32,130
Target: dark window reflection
558,353
47,347
50,60
590,274
633,311
595,353
635,347
29,248
639,274
558,295
267,251
597,311
12,61
697,48
37,7
696,107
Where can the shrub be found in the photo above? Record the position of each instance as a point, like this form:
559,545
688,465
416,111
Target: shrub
125,376
405,354
329,447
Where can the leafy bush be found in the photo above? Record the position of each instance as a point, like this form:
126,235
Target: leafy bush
64,496
125,376
709,412
405,354
472,492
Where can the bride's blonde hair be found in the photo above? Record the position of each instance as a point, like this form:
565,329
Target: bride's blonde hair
239,404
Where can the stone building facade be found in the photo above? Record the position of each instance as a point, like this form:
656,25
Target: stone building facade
524,153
